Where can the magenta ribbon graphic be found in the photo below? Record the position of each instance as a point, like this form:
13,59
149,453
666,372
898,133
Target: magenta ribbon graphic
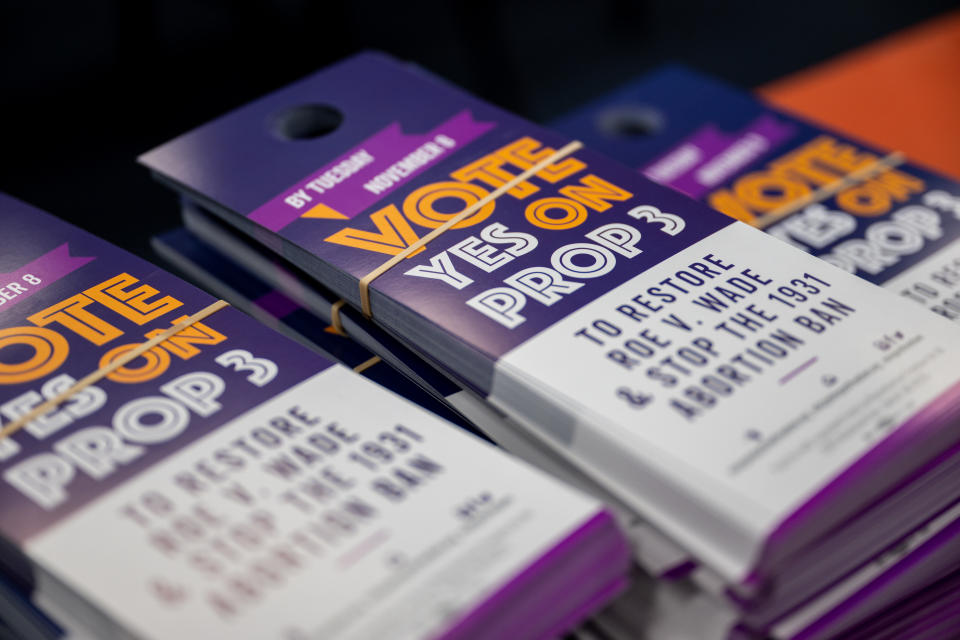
390,158
17,286
710,157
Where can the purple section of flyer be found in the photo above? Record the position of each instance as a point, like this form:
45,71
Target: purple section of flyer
88,312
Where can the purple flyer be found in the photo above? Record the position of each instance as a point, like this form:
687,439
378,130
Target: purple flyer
229,482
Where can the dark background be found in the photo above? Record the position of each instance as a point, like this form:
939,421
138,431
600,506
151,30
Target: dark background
87,86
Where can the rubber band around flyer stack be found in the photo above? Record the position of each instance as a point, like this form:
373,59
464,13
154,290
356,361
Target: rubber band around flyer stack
106,370
335,321
366,280
862,174
130,356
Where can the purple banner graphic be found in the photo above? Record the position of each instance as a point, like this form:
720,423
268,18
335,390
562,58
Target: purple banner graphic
368,172
709,157
19,285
